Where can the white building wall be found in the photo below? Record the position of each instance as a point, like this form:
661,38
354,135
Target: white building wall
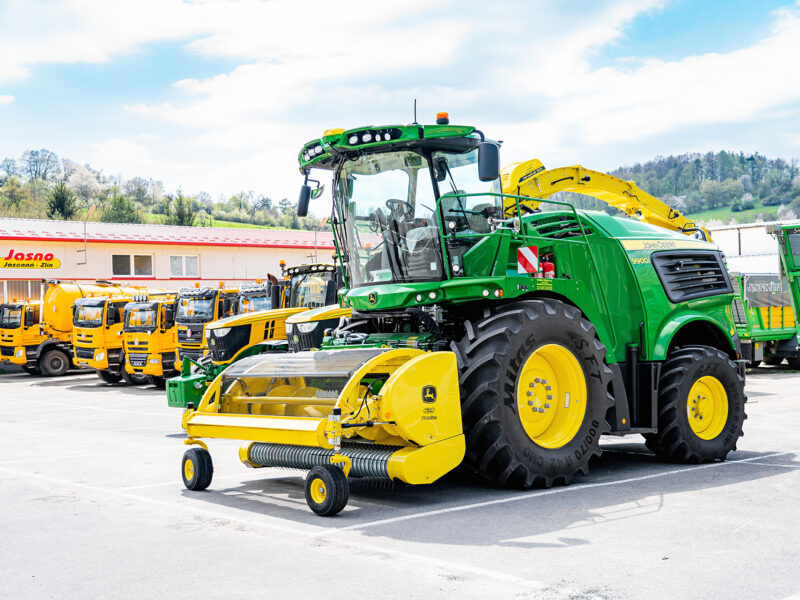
231,264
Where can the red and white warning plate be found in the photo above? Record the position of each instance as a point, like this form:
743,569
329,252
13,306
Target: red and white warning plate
528,259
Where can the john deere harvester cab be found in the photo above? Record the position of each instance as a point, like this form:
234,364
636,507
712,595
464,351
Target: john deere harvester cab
19,329
97,336
307,286
42,343
489,326
149,337
195,308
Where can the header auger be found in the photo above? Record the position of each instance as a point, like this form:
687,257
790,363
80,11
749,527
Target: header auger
486,330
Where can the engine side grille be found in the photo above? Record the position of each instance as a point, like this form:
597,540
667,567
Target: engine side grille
138,360
739,318
688,275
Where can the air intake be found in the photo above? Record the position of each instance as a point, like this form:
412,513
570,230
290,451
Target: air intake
691,274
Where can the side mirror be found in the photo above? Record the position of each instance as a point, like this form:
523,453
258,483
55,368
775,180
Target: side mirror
330,293
302,202
28,317
488,161
275,296
169,317
111,314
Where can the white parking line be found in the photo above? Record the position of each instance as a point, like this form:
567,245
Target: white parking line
561,490
765,464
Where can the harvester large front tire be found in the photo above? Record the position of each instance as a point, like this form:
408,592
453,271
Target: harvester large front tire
54,363
700,407
547,348
197,469
327,490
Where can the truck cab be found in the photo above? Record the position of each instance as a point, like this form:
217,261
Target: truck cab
258,296
148,335
97,337
19,329
196,308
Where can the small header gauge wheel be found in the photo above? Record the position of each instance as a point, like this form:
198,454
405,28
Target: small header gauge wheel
197,469
327,490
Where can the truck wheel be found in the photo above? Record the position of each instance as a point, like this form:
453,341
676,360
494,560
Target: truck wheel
109,377
32,370
197,469
159,382
135,378
327,490
534,393
700,406
54,363
794,363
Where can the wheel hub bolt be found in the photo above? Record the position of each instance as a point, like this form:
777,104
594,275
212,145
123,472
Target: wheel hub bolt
547,406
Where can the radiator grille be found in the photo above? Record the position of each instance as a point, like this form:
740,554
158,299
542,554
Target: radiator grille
84,352
687,275
6,351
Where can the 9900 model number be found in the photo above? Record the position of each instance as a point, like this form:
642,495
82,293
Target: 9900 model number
644,260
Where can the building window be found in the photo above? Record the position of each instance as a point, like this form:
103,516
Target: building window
184,266
136,265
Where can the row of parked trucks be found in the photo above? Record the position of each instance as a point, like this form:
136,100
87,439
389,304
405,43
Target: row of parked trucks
140,335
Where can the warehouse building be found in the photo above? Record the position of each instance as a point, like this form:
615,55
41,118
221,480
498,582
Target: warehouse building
157,256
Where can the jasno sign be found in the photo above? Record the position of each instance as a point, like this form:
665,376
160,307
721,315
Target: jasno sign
29,260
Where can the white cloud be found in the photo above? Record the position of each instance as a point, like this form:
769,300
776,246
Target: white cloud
6,100
521,71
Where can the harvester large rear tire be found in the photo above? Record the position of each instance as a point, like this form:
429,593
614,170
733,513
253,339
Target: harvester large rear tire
327,490
197,469
497,358
109,377
700,406
54,363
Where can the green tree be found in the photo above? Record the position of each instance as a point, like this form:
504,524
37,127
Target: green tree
121,209
179,210
61,202
14,193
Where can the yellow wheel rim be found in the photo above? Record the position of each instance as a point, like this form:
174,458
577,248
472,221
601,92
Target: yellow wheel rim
707,407
551,396
318,490
188,469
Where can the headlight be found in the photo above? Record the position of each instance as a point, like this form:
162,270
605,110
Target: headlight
221,332
306,327
154,361
18,354
100,356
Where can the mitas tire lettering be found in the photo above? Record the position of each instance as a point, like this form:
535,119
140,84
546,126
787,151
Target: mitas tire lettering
491,356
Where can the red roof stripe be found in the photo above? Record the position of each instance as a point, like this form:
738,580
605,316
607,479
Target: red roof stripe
72,231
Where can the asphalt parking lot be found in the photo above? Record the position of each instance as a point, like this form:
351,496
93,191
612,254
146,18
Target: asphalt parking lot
93,506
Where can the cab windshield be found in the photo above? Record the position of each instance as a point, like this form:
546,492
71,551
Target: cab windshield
253,303
309,289
88,315
141,319
388,210
199,309
10,317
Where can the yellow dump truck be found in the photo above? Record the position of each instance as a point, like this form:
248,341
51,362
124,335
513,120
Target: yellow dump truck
97,335
37,336
149,338
195,308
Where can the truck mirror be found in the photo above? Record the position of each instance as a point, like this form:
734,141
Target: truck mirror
28,317
302,202
275,296
330,292
111,314
488,161
169,316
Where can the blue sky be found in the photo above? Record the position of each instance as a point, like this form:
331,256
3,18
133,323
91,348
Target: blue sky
219,96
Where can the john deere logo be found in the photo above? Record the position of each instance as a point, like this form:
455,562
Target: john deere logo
429,394
373,297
